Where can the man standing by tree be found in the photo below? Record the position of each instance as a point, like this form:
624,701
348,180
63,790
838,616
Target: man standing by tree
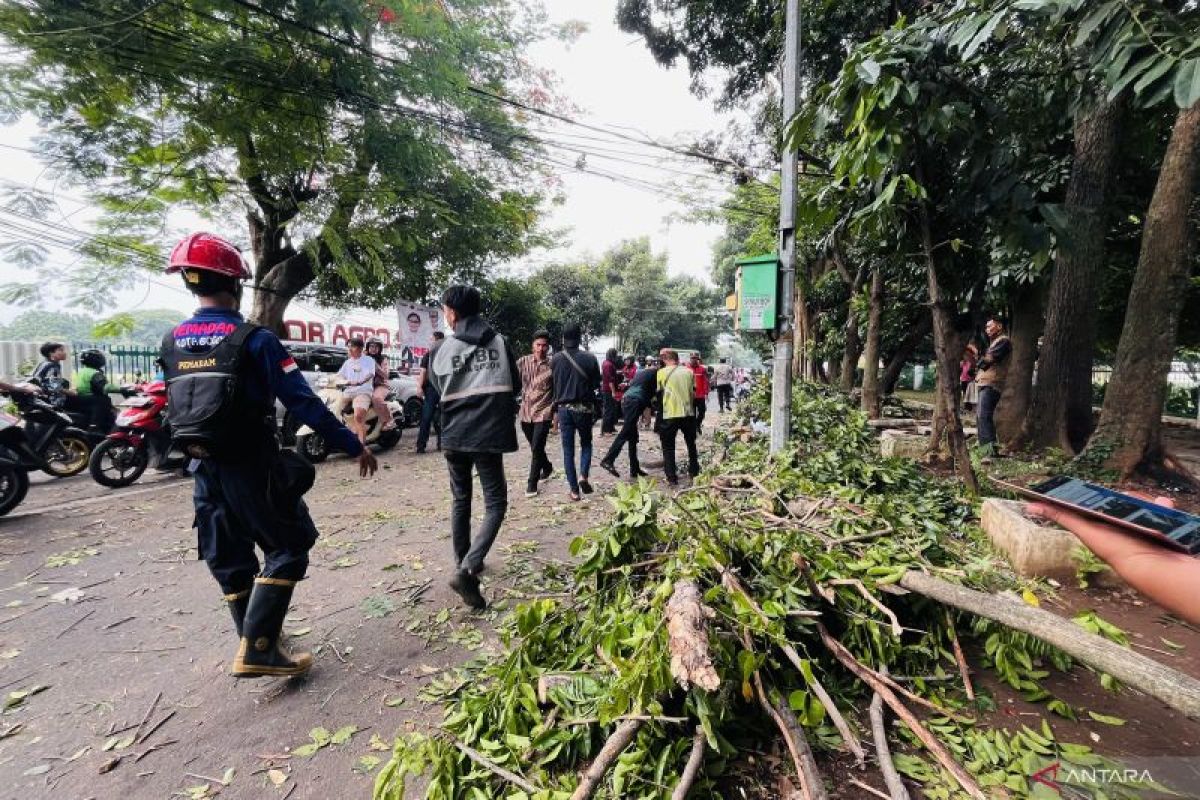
610,375
223,375
475,374
676,385
537,408
576,379
723,380
992,371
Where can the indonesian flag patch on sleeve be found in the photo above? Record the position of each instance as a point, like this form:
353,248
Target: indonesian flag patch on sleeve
288,364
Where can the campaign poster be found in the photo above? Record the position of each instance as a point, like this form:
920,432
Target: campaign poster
415,332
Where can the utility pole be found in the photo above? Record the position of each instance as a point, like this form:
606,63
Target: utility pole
781,378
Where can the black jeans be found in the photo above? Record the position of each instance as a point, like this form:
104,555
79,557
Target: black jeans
701,407
612,413
631,415
429,409
469,552
666,434
235,511
536,434
724,396
989,398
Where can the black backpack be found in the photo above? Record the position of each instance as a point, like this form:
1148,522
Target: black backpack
208,412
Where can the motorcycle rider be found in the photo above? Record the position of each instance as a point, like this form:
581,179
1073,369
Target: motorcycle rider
223,375
53,354
379,385
358,375
92,388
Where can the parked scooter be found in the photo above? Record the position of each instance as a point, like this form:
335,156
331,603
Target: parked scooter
313,446
141,438
62,448
17,458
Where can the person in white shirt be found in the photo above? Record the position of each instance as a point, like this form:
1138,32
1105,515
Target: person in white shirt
358,375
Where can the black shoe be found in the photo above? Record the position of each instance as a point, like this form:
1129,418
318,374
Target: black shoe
260,653
546,472
466,586
585,487
672,481
531,490
640,473
237,602
420,451
610,468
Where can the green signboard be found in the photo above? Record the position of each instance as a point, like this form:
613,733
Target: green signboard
757,292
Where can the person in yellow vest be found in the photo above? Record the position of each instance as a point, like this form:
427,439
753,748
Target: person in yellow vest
92,387
992,371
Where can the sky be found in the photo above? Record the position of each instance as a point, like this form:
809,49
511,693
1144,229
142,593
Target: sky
611,80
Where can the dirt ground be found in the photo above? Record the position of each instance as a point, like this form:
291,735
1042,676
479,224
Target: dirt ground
103,603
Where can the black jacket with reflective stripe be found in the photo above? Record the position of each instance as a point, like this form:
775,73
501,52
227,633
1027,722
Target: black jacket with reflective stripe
475,373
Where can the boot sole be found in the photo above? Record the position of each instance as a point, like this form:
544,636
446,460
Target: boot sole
248,671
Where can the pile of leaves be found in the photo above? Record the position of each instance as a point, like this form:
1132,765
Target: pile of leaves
797,624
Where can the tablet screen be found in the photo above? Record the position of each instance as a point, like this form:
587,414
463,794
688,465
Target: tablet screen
1179,526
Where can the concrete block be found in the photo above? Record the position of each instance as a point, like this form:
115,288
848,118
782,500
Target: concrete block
903,445
1032,548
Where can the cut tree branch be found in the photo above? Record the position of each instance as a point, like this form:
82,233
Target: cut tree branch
1179,691
694,762
931,743
891,777
687,638
496,769
617,742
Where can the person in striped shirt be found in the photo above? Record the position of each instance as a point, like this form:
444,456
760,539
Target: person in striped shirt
537,408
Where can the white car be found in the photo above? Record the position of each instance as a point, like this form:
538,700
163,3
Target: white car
320,361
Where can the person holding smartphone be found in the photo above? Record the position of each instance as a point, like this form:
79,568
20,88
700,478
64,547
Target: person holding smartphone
1166,576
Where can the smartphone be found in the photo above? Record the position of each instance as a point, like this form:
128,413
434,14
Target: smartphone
1169,526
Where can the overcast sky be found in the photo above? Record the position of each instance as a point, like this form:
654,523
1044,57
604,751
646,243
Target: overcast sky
612,80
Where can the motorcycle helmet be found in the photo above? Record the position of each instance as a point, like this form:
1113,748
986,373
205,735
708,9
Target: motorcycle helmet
92,358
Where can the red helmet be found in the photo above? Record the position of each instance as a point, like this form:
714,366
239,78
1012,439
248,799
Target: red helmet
206,251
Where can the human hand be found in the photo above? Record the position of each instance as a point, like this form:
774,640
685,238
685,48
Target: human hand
367,463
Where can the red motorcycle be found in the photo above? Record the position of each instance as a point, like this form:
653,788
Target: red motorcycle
140,438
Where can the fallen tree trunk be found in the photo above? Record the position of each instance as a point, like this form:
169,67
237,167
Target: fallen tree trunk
687,638
887,767
1172,687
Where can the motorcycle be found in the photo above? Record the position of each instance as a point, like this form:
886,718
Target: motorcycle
313,446
17,458
63,449
141,438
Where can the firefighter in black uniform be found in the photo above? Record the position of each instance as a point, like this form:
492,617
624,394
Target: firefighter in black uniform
223,375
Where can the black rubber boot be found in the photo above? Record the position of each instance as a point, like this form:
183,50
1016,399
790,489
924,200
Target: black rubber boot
237,602
466,586
260,653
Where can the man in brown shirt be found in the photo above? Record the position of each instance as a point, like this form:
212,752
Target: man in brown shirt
537,408
991,375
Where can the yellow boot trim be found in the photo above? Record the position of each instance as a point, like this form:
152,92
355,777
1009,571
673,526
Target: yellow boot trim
229,598
275,581
240,669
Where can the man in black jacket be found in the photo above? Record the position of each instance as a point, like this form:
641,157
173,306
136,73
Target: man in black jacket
576,379
474,372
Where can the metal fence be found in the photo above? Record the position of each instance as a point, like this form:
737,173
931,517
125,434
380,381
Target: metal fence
1183,388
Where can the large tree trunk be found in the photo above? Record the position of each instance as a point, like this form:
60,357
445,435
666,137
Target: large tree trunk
854,345
1061,411
870,385
947,345
280,283
908,345
1026,328
1131,420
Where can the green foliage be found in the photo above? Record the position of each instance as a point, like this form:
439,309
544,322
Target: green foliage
606,646
365,176
1087,564
135,327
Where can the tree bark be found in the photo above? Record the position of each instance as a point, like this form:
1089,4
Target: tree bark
947,346
854,344
1026,327
1131,419
908,345
1060,414
871,400
1181,692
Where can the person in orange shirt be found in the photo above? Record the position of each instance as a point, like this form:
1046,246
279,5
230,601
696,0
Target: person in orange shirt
702,389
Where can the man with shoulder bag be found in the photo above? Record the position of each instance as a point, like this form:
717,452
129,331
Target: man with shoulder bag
576,379
223,375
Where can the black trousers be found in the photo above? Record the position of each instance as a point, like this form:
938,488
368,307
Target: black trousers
668,430
536,434
631,415
469,552
235,511
989,398
612,413
724,396
700,406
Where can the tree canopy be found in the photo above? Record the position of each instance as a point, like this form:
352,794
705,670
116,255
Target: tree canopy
358,149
